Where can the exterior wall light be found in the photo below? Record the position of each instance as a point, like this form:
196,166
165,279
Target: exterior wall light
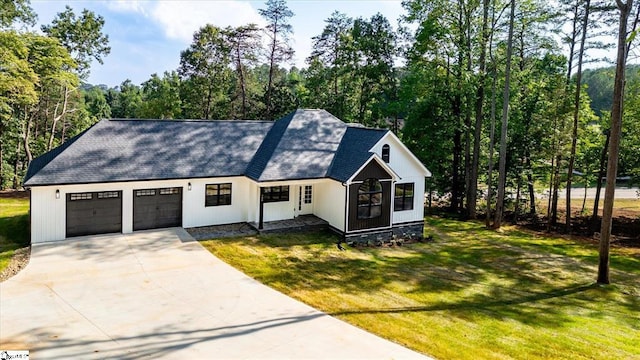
189,186
57,193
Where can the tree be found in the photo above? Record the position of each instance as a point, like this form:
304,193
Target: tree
328,65
614,139
82,37
472,192
278,31
244,42
502,172
125,101
205,72
16,11
161,97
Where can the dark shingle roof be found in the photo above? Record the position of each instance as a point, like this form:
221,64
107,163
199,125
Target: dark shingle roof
305,144
299,146
354,151
126,150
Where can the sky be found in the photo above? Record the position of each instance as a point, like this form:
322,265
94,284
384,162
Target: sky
147,36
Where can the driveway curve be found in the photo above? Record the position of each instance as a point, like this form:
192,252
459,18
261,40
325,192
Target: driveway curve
160,294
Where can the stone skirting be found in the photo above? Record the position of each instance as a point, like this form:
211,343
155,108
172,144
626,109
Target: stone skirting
398,233
409,231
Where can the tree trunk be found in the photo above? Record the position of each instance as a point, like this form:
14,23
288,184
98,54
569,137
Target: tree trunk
16,181
473,175
614,143
551,181
502,176
556,187
601,173
576,114
271,63
487,220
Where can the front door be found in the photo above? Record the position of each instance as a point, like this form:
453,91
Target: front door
304,203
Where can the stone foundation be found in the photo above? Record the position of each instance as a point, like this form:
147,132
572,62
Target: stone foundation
374,238
411,231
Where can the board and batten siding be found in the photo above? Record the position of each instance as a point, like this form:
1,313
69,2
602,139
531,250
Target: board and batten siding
406,167
48,214
197,214
329,202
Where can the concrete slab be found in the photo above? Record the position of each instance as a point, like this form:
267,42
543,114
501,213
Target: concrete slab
160,294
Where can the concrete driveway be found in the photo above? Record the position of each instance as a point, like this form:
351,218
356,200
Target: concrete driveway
159,294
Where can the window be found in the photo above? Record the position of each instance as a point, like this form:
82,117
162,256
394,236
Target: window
404,197
108,195
81,196
307,194
275,193
169,191
370,199
385,153
218,194
148,192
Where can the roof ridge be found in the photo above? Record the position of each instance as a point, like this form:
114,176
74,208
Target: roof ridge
189,120
268,146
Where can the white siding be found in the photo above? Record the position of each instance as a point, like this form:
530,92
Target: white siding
195,213
409,171
48,214
329,198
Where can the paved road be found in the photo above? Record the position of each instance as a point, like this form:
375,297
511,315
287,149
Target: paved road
621,193
159,294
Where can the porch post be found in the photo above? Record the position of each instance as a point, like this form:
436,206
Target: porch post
261,221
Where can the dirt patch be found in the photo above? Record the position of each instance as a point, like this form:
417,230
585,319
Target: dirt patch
18,261
14,194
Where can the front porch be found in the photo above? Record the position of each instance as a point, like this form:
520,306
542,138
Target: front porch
299,224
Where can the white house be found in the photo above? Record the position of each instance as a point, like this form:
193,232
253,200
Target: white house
128,175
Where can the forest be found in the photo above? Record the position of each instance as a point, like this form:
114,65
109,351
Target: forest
493,96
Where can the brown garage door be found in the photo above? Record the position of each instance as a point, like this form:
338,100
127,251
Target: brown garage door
92,213
157,208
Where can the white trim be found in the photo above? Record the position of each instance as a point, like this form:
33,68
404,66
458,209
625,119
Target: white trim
411,155
385,166
370,229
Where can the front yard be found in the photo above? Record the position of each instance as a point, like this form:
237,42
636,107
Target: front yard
471,293
14,230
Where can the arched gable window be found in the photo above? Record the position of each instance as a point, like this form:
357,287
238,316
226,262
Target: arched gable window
370,199
385,153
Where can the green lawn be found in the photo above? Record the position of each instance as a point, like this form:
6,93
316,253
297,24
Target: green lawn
469,294
14,228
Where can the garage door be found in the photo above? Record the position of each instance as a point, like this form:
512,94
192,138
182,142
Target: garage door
92,213
157,208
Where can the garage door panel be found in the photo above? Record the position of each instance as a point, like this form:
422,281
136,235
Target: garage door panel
93,213
157,208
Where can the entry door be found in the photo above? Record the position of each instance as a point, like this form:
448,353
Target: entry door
305,200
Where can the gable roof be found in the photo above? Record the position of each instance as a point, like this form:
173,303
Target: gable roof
129,150
306,144
354,152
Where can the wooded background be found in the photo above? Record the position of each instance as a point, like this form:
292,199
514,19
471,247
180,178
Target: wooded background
455,80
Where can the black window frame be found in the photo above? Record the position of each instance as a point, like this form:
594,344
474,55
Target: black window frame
221,197
404,201
272,194
370,199
386,153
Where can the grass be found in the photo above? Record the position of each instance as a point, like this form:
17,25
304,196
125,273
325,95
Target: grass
14,228
469,294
